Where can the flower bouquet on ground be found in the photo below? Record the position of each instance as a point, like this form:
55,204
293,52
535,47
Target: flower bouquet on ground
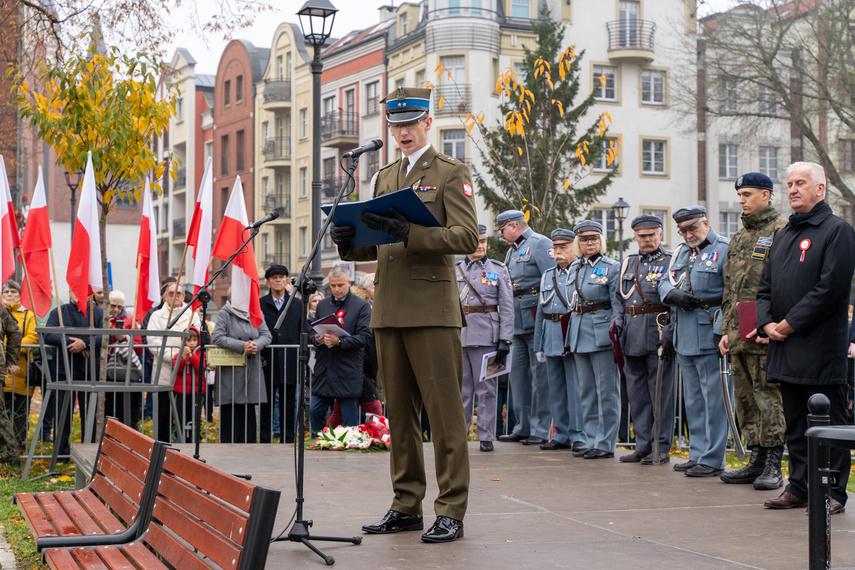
373,435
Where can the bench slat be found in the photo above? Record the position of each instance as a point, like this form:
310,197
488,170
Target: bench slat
98,511
121,455
233,491
142,556
114,559
198,533
56,514
78,515
34,515
139,442
120,478
59,559
176,554
87,559
126,510
231,523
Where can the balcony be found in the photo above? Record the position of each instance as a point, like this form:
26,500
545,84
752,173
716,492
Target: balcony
457,99
179,228
330,187
277,203
277,259
340,129
277,93
631,40
180,178
277,148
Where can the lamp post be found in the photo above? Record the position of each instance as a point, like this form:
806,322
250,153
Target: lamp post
620,208
316,21
73,180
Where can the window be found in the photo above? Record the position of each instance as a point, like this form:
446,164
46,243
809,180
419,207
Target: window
372,164
769,161
767,104
420,78
453,89
265,187
453,6
846,155
288,65
628,20
476,7
403,25
224,155
728,223
304,123
279,186
662,214
328,106
350,113
454,143
520,70
653,157
179,111
280,71
304,242
606,216
329,168
224,197
372,98
399,83
239,89
602,163
605,83
227,94
729,96
520,9
728,161
304,182
265,246
239,144
653,87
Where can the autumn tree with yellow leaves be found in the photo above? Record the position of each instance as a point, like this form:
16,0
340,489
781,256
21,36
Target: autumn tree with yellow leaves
540,158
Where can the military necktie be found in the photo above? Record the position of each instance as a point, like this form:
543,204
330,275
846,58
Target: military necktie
402,173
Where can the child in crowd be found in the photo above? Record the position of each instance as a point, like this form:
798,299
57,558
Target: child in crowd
186,382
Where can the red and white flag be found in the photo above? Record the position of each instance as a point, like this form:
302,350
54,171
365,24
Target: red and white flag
84,274
148,288
9,239
35,252
245,287
201,228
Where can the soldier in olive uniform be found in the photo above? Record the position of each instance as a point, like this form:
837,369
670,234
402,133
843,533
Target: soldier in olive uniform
485,292
694,286
9,352
643,315
758,403
564,400
417,318
528,257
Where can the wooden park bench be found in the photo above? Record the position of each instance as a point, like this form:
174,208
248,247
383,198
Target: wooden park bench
116,505
203,518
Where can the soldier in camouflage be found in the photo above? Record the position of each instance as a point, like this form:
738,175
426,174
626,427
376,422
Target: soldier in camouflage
758,403
9,352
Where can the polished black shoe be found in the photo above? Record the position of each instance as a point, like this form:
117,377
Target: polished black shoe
663,458
685,466
634,457
598,454
580,452
445,529
486,446
701,470
579,446
512,437
395,521
534,440
553,445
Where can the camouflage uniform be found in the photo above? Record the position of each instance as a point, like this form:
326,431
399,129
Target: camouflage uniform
9,351
758,403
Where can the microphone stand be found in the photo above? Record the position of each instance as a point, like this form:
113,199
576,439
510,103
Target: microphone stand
204,297
300,530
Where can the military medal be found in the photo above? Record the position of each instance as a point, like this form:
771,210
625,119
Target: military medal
483,278
709,263
804,245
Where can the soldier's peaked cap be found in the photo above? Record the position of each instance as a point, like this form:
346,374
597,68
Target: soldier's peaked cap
646,221
406,105
509,216
587,228
562,235
686,217
754,180
482,231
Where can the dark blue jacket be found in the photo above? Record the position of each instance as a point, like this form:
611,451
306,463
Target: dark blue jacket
339,369
73,317
279,362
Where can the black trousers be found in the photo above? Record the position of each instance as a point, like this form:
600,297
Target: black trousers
287,412
237,423
795,398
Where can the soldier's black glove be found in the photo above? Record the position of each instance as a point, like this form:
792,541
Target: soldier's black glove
395,224
717,341
682,299
503,348
341,236
668,350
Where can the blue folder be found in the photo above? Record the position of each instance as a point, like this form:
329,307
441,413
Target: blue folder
404,201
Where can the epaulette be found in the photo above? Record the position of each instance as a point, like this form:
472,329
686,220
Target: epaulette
448,159
394,162
497,262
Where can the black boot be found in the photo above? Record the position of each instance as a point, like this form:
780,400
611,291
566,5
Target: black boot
771,478
751,471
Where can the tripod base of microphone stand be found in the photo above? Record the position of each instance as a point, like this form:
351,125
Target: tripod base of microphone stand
300,533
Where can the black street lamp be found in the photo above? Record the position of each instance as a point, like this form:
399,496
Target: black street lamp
73,179
316,21
621,209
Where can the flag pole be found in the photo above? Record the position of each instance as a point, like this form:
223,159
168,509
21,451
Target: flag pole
137,291
56,287
178,277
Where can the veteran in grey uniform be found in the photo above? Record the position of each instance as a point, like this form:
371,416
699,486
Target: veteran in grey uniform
528,257
593,280
485,293
642,317
694,286
564,402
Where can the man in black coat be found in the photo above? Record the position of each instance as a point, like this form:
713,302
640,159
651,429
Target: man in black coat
802,306
339,359
280,364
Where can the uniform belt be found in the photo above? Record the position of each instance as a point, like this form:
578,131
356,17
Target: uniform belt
643,309
708,303
554,317
593,307
520,292
467,309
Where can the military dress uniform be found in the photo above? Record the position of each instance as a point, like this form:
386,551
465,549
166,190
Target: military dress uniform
642,316
527,258
593,282
417,318
699,271
485,292
10,348
564,400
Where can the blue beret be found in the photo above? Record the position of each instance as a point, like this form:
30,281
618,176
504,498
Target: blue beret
407,104
561,235
509,216
754,180
646,221
586,227
686,216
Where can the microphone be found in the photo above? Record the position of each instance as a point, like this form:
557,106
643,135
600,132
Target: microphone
369,147
271,216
